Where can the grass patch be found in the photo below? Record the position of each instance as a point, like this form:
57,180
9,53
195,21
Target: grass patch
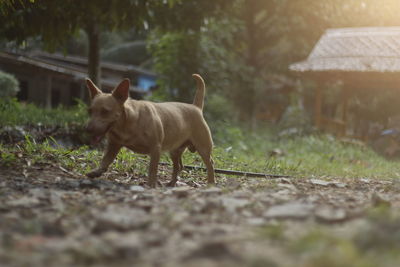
312,155
235,148
308,156
14,113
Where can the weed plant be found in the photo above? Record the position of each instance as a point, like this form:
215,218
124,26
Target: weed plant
315,155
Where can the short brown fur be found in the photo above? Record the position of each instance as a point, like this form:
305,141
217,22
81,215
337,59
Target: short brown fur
150,128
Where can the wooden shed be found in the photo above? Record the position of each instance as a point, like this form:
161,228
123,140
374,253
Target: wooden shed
362,58
50,80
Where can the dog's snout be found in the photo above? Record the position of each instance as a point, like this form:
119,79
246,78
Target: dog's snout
90,128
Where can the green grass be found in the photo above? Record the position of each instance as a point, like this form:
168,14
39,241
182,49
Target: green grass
237,149
308,156
14,113
314,155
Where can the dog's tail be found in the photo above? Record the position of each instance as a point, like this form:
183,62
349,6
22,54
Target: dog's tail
201,89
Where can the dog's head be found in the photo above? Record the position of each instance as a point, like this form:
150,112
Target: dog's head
105,109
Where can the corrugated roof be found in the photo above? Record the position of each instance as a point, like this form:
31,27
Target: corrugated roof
355,49
75,72
77,60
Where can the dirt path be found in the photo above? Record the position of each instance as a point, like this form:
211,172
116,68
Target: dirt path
49,217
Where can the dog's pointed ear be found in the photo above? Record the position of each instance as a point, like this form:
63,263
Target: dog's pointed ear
93,90
121,92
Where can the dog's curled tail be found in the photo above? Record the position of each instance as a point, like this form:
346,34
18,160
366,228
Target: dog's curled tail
201,89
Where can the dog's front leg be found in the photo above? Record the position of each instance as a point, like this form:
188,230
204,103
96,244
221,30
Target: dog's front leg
109,156
154,160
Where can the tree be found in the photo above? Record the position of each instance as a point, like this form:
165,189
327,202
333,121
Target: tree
235,50
175,44
57,20
248,40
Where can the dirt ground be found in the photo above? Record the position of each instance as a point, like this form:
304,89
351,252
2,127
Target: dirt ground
52,217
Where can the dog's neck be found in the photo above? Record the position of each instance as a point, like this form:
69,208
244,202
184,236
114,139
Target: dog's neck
126,112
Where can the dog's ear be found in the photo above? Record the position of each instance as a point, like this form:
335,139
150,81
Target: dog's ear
121,92
93,90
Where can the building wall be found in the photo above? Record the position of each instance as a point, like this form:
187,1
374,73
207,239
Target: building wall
35,81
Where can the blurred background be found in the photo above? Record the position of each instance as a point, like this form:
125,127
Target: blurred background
307,89
248,51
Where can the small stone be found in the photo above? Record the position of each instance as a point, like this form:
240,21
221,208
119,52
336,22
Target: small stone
120,219
379,199
330,214
327,183
292,210
181,191
234,204
56,200
39,193
287,186
180,184
256,221
284,180
137,189
25,202
319,182
277,152
127,245
365,180
212,191
282,195
339,185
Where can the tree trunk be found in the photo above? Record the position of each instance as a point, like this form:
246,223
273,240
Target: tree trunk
94,70
252,59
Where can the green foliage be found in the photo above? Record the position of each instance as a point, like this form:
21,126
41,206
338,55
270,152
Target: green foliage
15,113
128,52
218,109
243,44
9,86
175,57
295,121
7,158
48,18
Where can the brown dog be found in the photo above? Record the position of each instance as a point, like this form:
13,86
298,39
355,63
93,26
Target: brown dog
149,128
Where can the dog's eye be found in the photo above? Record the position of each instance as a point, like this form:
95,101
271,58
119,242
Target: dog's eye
104,111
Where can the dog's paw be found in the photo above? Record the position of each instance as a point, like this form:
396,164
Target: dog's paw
171,184
95,173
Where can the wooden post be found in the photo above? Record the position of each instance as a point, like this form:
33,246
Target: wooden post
94,69
48,92
318,106
82,92
344,103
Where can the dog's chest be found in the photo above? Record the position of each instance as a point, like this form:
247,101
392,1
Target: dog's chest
134,143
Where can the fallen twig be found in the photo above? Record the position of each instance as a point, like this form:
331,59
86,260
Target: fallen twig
232,172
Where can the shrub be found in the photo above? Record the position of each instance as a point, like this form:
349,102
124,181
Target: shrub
9,86
295,121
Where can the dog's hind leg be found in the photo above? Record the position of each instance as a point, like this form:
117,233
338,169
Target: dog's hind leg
208,161
202,141
176,156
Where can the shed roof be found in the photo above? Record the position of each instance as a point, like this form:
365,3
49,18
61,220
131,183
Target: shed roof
355,49
83,61
74,71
